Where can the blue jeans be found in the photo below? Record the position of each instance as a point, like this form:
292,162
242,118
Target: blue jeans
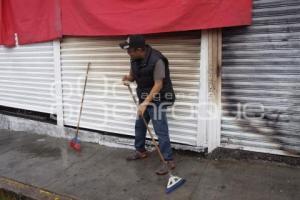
160,125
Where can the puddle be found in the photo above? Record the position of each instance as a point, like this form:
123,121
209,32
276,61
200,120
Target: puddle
40,150
41,140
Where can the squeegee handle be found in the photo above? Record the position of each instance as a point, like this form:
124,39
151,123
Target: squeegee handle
149,130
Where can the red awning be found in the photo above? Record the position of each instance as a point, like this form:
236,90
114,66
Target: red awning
32,21
42,20
6,32
119,17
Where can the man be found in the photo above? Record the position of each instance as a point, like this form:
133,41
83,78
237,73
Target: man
150,70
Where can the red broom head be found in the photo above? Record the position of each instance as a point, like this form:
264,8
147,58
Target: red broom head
77,147
74,144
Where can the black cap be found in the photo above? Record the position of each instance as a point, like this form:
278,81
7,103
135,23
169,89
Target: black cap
133,41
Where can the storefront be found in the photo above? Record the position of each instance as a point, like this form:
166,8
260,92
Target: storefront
48,76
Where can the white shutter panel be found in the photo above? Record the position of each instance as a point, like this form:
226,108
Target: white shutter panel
27,77
108,105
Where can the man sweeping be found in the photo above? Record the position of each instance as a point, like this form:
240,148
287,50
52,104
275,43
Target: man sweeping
150,70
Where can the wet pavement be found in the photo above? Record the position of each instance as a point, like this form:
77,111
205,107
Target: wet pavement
100,172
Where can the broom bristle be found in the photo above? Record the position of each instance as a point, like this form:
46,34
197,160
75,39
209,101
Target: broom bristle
71,143
74,144
77,147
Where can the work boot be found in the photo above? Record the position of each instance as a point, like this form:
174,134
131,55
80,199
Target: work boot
162,170
137,155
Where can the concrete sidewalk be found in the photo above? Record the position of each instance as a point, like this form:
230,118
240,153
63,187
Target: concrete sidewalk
100,172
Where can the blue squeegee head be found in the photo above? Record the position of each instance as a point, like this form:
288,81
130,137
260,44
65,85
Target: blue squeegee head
174,183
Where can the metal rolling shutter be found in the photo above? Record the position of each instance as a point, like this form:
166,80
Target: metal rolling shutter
261,64
27,77
111,111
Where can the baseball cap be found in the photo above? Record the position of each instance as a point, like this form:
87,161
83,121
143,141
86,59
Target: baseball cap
133,41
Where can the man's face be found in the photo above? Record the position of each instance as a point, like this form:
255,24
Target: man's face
135,54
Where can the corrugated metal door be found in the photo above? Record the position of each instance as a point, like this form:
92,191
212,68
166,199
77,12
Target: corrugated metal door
260,81
108,105
27,77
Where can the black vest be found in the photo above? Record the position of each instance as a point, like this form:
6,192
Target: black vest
143,75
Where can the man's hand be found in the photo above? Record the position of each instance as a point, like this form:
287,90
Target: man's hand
141,109
125,80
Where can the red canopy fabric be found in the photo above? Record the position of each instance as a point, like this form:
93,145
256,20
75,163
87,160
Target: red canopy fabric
32,21
6,30
119,17
43,20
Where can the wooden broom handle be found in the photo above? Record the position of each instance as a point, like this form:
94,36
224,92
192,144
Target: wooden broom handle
82,98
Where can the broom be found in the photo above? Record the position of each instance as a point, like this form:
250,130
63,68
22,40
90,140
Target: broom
74,143
174,182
